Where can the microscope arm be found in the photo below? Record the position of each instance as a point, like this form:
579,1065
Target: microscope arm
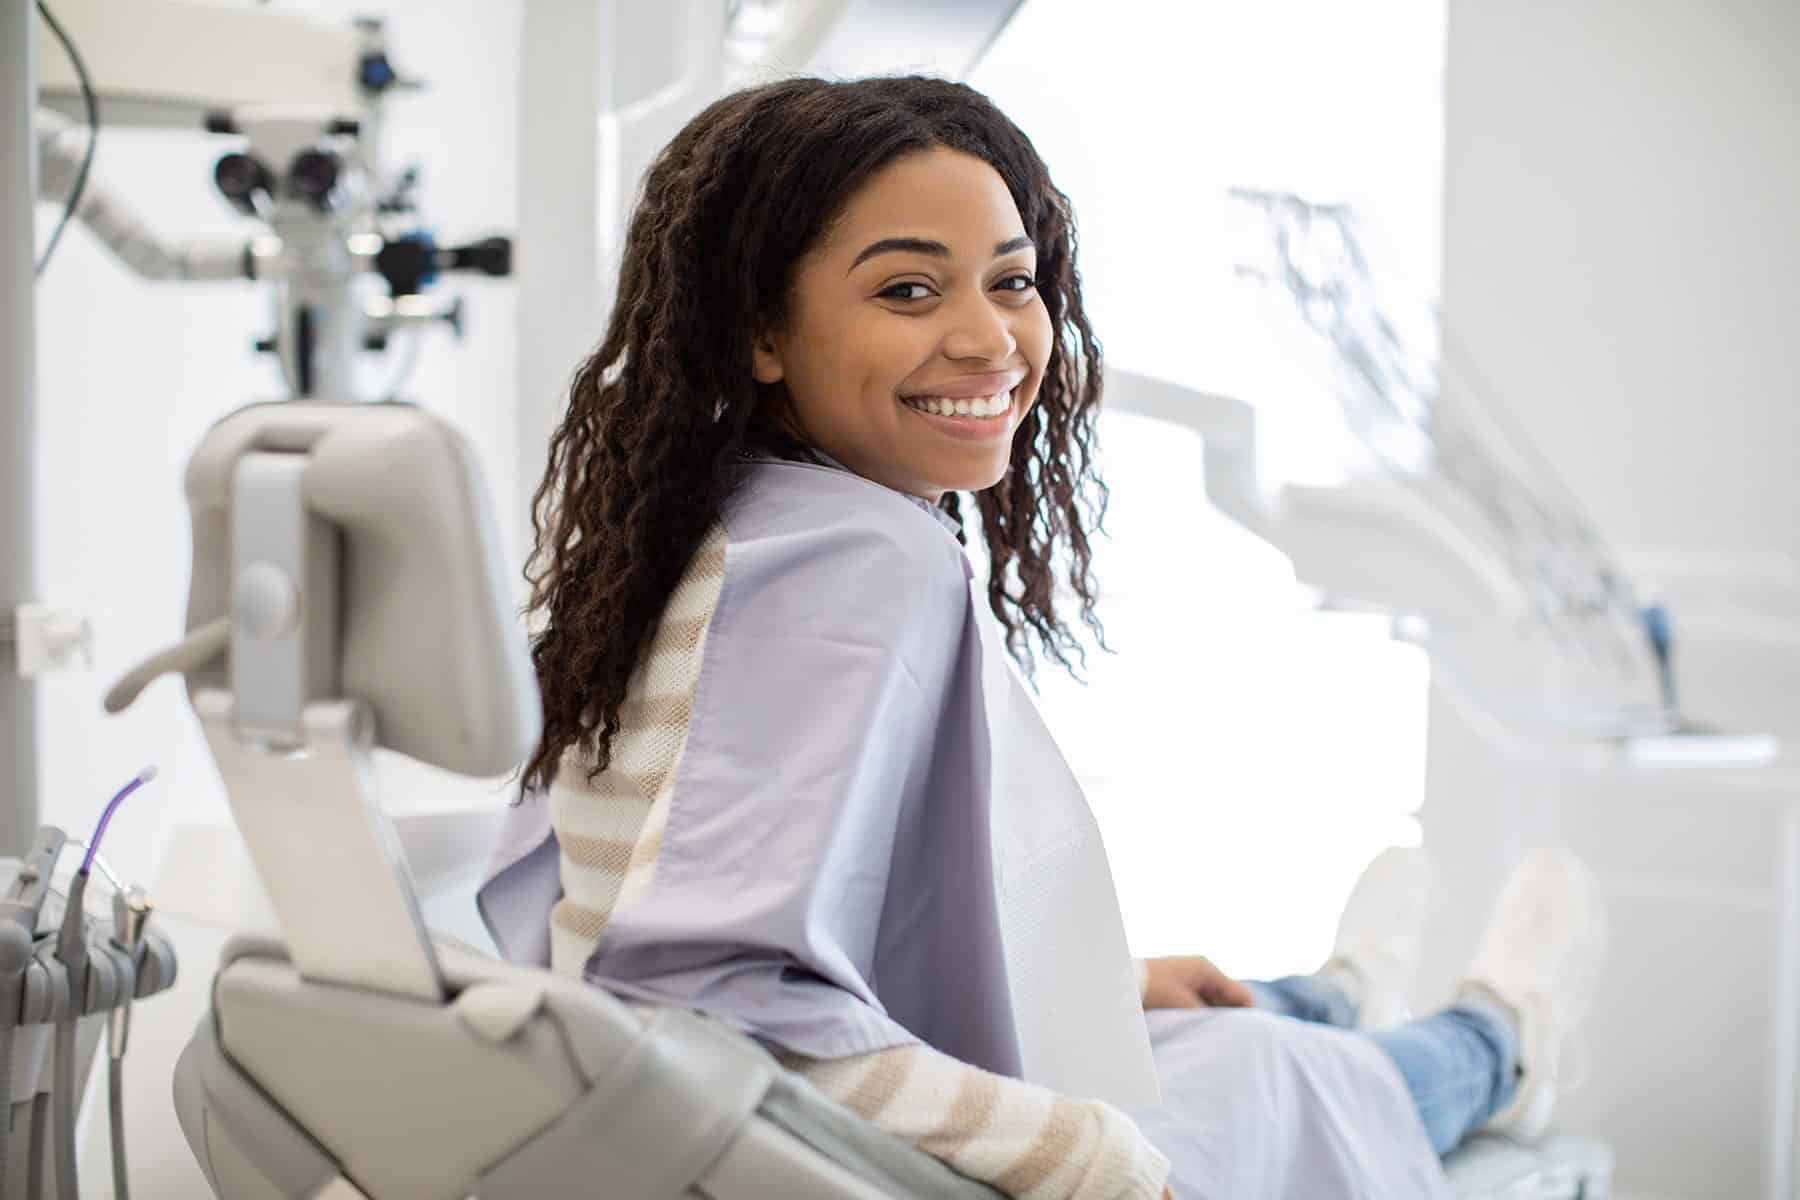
61,144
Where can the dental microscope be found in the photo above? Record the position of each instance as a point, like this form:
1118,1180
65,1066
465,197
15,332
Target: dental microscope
350,269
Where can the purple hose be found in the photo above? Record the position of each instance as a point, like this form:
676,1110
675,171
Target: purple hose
139,780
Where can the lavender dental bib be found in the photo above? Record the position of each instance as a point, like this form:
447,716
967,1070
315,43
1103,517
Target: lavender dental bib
873,839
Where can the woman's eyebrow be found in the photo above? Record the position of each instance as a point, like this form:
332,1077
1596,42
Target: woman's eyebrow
927,246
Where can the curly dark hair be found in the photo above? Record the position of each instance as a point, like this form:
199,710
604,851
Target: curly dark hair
661,414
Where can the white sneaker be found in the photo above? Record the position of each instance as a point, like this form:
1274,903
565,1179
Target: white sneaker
1377,946
1541,957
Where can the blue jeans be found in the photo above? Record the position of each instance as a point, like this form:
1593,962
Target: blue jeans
1461,1064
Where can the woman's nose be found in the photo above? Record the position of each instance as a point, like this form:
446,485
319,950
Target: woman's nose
979,329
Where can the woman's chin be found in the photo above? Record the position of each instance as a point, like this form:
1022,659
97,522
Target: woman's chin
972,477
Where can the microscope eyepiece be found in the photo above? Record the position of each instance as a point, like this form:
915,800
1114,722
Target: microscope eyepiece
240,177
313,176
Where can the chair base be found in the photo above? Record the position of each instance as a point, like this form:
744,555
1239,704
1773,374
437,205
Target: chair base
1490,1167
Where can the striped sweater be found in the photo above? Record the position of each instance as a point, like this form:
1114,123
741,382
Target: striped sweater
1023,1139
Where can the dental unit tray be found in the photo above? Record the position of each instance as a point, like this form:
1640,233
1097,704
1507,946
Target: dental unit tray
35,997
1452,519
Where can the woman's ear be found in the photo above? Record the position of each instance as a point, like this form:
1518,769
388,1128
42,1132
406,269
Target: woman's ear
765,360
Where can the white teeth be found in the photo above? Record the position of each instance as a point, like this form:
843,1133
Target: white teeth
980,406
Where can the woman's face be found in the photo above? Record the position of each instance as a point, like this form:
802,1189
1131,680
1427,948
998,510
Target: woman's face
915,340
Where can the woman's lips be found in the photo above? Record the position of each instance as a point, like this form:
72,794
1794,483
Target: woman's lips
967,387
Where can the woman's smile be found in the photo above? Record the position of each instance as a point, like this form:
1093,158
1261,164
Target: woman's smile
978,407
983,418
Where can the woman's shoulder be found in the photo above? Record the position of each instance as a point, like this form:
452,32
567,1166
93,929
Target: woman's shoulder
834,511
840,547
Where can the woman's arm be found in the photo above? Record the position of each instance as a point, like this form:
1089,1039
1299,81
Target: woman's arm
1024,1140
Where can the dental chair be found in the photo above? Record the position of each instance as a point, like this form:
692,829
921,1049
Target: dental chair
349,592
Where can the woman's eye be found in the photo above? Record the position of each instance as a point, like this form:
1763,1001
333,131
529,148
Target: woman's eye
914,290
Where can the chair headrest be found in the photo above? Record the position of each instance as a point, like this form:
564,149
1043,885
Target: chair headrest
427,635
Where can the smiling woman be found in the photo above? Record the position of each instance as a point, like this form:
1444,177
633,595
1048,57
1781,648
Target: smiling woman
922,262
787,778
917,340
778,770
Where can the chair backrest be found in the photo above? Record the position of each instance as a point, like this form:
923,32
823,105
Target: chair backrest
346,562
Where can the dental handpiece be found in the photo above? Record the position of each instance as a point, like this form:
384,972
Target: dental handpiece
72,951
131,917
1660,628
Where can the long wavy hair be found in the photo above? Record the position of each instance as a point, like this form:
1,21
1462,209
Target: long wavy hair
661,415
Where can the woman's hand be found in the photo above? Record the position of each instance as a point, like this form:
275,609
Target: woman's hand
1191,982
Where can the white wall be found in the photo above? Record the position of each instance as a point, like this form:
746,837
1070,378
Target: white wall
1622,184
132,373
606,84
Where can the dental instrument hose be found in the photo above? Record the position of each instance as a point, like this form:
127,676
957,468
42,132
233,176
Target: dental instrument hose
131,914
115,1111
72,952
92,104
40,1133
15,952
6,1074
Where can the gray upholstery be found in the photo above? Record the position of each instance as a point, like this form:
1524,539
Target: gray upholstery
524,1084
222,1112
428,637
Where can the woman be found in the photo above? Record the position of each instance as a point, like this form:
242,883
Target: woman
784,778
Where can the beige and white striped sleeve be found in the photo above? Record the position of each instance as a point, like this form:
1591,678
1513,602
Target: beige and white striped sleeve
1024,1140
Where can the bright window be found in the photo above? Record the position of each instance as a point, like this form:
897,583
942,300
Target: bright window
1246,755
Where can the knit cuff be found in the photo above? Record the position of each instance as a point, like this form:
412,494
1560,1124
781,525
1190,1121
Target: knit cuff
1126,1166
